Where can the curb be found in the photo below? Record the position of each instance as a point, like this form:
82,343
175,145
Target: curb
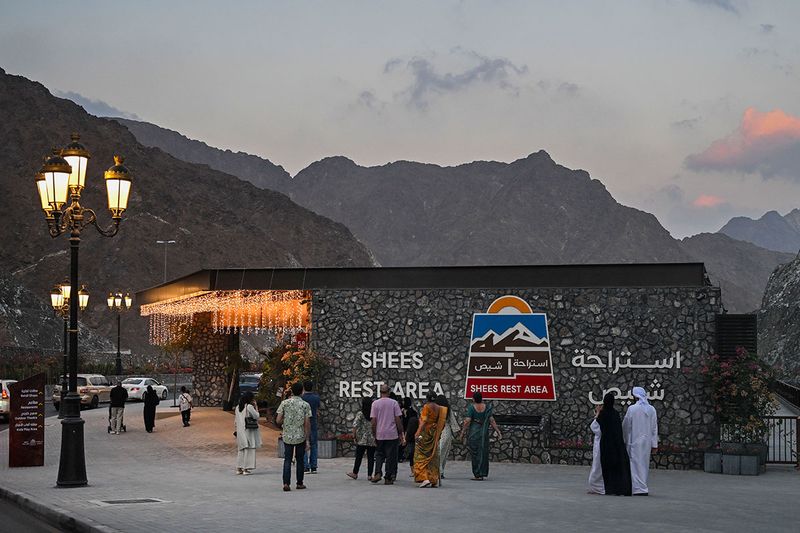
55,516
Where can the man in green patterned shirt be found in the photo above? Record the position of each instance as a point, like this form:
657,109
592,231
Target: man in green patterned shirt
294,417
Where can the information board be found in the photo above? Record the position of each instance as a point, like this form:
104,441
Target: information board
26,422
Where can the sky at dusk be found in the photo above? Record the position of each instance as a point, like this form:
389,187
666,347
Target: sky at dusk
687,109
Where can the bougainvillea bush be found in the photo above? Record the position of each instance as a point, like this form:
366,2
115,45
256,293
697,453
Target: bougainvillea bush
740,388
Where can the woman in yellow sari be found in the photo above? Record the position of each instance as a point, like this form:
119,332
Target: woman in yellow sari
432,420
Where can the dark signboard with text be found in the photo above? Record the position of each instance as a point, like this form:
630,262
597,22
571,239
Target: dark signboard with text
26,422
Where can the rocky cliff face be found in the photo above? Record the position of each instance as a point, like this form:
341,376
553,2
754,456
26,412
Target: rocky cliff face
217,219
779,321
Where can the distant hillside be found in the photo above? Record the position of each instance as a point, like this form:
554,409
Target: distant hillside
530,211
772,231
218,220
742,269
259,171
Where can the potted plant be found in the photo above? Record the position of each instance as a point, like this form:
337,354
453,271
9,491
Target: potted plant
742,398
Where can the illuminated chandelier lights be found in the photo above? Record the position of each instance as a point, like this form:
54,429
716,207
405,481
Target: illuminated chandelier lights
232,312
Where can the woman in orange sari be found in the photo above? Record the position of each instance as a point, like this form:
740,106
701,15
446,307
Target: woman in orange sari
432,420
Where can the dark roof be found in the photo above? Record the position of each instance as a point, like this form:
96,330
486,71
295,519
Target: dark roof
464,277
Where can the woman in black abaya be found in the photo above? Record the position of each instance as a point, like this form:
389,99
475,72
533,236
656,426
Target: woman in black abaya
613,456
150,401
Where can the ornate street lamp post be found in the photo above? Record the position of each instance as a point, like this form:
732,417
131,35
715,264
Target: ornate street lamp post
59,299
60,179
119,303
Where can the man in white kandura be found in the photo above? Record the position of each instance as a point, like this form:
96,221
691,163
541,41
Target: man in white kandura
640,429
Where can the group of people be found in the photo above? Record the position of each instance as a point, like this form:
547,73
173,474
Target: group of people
388,429
119,395
622,447
297,418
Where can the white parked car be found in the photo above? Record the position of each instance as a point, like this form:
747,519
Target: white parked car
136,388
5,398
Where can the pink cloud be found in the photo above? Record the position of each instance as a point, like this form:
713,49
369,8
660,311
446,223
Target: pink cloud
707,200
764,143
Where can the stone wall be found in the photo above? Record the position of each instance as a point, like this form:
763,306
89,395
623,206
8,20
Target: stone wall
650,323
209,351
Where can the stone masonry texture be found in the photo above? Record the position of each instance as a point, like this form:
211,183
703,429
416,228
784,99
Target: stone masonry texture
650,323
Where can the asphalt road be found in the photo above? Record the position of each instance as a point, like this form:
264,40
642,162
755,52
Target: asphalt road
15,519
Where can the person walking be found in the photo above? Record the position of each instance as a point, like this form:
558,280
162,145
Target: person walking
476,425
150,399
387,426
432,420
614,462
313,400
640,430
411,424
118,398
451,429
185,406
596,485
294,418
248,436
363,439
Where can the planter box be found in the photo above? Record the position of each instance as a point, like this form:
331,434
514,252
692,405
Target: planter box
749,465
326,449
712,461
731,464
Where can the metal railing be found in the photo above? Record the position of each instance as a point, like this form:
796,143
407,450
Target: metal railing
782,439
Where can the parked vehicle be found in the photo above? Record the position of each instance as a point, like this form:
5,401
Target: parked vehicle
92,388
5,398
137,386
249,383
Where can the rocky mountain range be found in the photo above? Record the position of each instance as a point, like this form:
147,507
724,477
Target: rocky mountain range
217,219
530,211
772,231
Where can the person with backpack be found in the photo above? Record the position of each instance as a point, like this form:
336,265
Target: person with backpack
185,406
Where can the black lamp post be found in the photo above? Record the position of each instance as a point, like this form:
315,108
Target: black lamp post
59,299
63,175
119,303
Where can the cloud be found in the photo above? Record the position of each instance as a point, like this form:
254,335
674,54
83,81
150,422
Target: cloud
427,82
725,5
568,89
368,99
97,108
767,28
708,200
765,143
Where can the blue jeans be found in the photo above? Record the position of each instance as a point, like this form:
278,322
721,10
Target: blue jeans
311,462
296,452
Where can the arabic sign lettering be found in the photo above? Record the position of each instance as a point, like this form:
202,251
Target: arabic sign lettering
509,353
26,422
582,359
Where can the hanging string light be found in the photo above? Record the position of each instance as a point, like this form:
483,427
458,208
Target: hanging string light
231,312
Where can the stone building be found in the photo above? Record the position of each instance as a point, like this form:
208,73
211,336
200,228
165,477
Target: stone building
607,327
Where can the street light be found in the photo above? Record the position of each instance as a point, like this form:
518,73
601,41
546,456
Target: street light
59,299
119,303
63,174
165,243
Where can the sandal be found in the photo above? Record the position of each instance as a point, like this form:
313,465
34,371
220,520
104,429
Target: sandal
425,484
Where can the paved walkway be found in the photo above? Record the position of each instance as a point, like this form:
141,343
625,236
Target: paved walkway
191,469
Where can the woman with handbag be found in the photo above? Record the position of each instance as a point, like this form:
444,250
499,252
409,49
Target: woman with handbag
248,436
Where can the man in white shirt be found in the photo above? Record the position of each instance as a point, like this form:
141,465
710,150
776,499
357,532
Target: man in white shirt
640,430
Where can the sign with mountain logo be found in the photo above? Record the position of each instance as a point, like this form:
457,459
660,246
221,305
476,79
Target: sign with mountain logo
509,353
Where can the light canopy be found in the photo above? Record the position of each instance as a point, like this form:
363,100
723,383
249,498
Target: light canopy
118,187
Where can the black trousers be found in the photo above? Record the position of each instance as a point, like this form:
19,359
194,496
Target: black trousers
185,416
298,451
387,453
370,458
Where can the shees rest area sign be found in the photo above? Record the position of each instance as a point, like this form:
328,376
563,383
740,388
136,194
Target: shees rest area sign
509,353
